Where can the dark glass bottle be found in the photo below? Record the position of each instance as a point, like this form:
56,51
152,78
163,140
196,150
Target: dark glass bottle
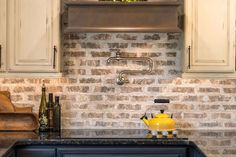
43,117
57,115
50,111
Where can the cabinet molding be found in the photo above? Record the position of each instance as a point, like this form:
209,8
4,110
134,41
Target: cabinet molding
31,37
210,33
3,34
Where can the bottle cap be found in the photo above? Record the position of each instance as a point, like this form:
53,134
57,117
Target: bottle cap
57,98
43,87
50,95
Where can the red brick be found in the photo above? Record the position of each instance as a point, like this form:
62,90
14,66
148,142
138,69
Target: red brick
117,45
92,115
229,90
90,80
90,45
100,54
102,36
221,115
13,81
152,37
143,81
167,45
130,89
100,71
128,107
152,54
23,89
230,124
209,90
141,45
183,90
104,89
75,36
84,89
126,36
95,97
210,124
195,115
118,115
171,54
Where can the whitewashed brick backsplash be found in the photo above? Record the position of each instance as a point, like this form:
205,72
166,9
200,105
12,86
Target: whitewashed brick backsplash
91,98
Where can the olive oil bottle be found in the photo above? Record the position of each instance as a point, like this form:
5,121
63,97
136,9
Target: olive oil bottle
57,115
43,116
50,111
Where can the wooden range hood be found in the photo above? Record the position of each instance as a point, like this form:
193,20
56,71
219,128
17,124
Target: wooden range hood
95,16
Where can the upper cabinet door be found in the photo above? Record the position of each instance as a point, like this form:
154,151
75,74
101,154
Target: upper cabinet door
33,36
210,36
2,34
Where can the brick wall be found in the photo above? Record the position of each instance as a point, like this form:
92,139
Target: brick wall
91,98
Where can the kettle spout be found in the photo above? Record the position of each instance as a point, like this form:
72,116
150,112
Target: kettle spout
145,119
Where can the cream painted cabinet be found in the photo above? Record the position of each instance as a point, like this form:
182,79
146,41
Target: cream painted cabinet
2,34
209,36
32,36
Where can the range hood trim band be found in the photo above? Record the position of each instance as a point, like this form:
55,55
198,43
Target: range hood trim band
119,29
99,3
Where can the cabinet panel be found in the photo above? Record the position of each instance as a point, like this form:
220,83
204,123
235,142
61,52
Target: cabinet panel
121,152
2,34
11,154
31,36
37,42
122,155
35,152
210,33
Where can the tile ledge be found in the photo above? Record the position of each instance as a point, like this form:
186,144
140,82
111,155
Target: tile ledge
209,75
30,75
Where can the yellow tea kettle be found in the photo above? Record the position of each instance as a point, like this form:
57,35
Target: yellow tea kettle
160,122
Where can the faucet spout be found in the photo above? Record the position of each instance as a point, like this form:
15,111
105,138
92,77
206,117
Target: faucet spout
121,79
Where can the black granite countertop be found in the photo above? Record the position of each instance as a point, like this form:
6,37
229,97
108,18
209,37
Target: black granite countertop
212,143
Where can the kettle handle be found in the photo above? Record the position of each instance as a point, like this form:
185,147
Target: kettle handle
144,116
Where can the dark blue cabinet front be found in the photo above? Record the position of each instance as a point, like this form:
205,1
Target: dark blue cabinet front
105,151
121,152
35,152
11,154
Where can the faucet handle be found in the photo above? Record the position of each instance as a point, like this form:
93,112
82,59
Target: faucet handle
121,80
117,51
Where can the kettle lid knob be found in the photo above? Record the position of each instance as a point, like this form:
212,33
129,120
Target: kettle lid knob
162,111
